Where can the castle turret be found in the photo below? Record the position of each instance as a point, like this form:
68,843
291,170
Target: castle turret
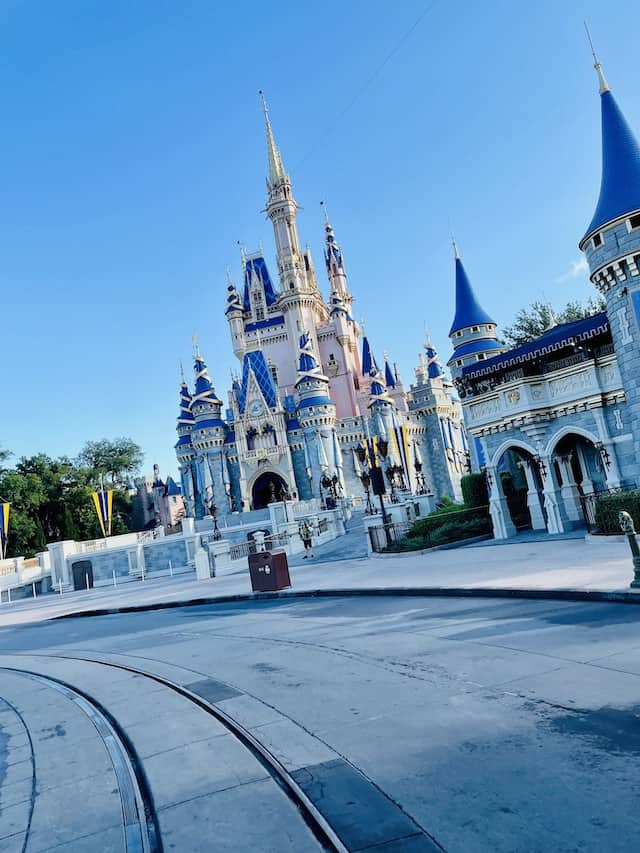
235,317
207,437
300,300
334,261
473,332
317,417
184,448
612,244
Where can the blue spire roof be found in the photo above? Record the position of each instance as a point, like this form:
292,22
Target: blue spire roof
185,415
307,358
434,368
368,358
257,266
255,362
469,312
620,186
389,378
204,391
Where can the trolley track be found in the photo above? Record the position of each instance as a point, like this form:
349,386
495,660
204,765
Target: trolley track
132,778
139,820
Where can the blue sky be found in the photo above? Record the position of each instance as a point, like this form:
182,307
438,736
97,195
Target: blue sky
134,160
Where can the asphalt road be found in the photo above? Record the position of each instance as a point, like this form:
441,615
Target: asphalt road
476,725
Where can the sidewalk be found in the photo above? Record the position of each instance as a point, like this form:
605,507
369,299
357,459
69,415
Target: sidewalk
554,565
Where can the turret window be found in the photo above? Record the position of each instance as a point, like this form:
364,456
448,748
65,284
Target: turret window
596,240
475,328
634,221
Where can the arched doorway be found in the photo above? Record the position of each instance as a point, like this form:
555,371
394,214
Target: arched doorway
521,485
580,470
268,488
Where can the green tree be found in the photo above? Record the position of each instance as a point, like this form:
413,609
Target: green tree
117,459
539,317
51,500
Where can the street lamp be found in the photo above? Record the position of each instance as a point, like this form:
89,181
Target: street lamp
366,482
213,509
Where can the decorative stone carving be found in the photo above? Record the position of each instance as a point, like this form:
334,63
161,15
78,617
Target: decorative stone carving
481,410
513,397
570,384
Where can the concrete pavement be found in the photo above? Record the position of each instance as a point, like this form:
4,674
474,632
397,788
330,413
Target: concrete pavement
572,564
492,725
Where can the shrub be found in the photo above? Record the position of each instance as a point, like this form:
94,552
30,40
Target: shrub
608,507
456,531
453,518
474,490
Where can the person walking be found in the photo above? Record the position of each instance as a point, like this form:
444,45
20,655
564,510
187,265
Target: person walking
306,534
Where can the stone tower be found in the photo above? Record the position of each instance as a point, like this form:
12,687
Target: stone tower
612,246
473,332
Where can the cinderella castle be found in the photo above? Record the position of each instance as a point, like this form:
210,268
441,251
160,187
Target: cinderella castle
310,395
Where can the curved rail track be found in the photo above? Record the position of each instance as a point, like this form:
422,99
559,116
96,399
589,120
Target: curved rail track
140,822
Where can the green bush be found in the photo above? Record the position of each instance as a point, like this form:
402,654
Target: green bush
474,490
608,507
452,518
456,531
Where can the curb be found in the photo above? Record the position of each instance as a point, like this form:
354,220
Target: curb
596,596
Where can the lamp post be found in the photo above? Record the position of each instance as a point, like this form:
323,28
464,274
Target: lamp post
366,482
213,509
627,526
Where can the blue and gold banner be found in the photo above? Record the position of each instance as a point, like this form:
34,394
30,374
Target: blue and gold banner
103,502
4,526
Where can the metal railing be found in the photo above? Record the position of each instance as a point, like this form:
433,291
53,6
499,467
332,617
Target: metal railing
242,550
383,538
589,504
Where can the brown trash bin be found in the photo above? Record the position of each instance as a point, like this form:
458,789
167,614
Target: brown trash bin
269,571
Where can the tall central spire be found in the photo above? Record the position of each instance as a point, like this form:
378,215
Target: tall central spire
276,167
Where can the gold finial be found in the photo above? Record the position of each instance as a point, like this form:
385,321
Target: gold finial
604,86
325,210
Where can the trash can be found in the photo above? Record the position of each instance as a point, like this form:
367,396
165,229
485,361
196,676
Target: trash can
269,571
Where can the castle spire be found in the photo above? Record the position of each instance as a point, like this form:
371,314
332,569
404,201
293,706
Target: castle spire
276,167
604,86
620,182
469,312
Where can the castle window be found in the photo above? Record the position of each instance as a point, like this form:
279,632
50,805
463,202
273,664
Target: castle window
274,373
597,240
634,221
480,356
459,362
459,334
475,328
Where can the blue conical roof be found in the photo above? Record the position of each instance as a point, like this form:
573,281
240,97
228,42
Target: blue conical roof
368,359
185,415
389,378
620,187
469,312
204,391
434,368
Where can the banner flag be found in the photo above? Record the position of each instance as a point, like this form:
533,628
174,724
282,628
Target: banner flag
4,526
103,502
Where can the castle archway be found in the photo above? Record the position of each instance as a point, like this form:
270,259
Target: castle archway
268,488
518,480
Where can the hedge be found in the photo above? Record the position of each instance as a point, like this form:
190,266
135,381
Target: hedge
474,490
608,507
449,531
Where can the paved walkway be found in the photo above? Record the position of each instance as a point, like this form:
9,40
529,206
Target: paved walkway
571,564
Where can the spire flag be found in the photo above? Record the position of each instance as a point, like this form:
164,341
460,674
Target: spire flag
103,502
4,527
